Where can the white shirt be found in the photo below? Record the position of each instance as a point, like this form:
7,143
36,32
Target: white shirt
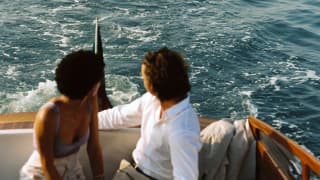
168,147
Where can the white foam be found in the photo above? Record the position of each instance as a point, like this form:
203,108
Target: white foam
297,78
247,103
253,110
273,82
64,41
61,40
47,22
278,123
136,33
310,74
289,63
11,72
122,89
248,74
123,11
246,93
33,99
68,8
196,70
6,54
246,38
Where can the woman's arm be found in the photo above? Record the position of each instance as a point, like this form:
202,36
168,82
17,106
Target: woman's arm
45,126
93,146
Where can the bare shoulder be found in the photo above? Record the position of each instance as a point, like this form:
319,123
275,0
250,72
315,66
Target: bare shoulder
45,126
46,115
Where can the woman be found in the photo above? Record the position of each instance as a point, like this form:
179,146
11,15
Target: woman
170,134
68,121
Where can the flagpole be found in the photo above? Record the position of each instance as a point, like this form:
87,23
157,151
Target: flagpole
104,102
96,36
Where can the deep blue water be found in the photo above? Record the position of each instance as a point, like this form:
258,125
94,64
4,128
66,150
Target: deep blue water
247,57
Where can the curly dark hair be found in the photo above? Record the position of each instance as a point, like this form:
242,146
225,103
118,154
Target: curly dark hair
78,72
167,73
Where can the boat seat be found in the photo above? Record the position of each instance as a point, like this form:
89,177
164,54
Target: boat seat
116,145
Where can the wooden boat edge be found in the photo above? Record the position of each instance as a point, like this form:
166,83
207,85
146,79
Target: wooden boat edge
268,155
25,120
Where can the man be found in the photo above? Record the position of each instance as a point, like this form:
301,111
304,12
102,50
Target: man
170,133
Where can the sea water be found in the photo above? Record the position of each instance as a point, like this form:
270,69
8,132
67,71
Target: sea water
246,57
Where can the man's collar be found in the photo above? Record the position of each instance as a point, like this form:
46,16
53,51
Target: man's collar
176,109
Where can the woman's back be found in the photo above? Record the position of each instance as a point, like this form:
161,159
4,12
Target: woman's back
72,126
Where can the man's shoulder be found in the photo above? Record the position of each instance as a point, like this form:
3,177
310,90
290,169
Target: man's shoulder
148,95
187,122
148,98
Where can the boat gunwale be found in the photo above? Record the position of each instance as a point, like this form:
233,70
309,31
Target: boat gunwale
307,160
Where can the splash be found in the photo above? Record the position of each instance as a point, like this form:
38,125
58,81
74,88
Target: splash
30,100
120,89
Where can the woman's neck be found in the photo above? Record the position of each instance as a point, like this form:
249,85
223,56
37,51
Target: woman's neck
71,102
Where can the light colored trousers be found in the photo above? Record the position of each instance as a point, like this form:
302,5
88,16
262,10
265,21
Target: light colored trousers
68,167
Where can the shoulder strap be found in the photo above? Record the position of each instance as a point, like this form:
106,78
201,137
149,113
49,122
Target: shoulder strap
55,108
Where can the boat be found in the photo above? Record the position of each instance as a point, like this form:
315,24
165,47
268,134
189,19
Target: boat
276,156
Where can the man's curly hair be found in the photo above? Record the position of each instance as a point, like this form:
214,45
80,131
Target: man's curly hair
78,72
167,73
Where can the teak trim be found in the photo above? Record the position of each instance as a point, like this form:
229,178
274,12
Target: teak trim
307,160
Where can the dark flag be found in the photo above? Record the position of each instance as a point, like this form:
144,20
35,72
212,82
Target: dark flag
104,102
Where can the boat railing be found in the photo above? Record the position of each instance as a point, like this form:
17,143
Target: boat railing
279,154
